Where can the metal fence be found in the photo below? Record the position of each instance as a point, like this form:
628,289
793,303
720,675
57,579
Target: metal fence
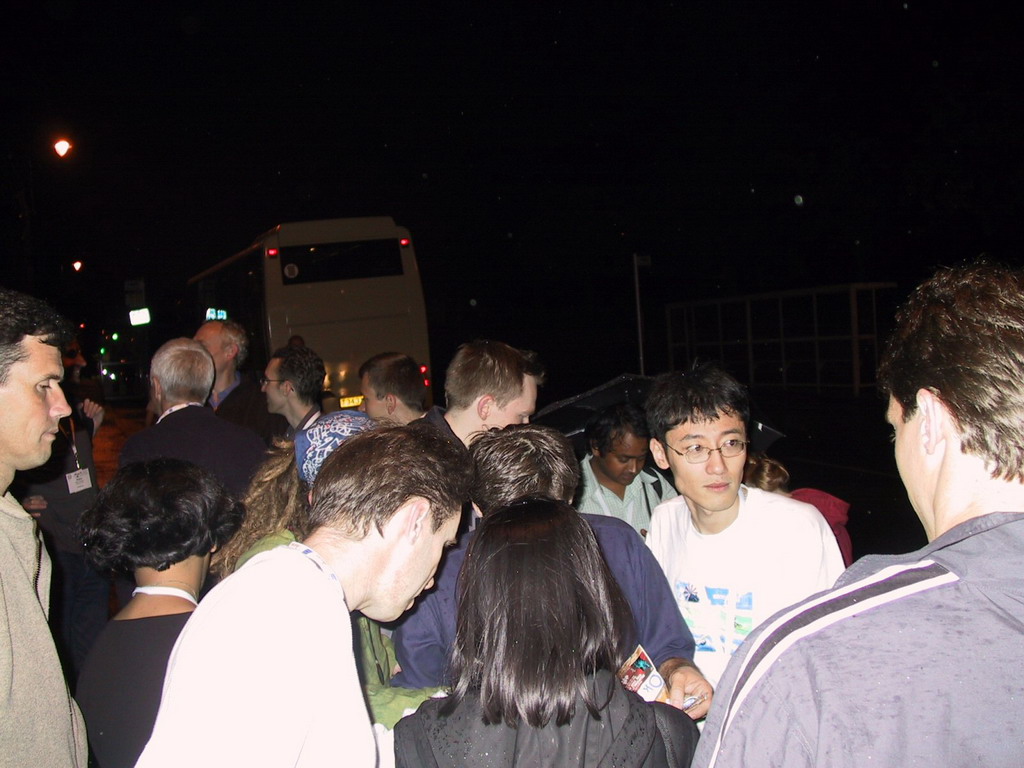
825,338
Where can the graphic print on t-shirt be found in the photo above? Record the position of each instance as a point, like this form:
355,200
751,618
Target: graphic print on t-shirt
720,618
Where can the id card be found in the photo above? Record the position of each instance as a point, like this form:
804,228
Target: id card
78,480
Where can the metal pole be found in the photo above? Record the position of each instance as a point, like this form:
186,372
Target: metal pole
639,316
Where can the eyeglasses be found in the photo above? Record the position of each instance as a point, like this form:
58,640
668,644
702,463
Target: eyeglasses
699,454
264,381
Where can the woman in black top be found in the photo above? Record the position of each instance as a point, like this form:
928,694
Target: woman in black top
159,520
539,639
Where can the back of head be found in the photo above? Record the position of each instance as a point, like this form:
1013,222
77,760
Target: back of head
489,368
538,612
394,373
185,370
765,473
612,423
304,369
367,478
157,513
961,336
704,393
522,460
21,316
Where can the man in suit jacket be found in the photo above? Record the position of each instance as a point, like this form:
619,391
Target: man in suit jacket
181,375
237,396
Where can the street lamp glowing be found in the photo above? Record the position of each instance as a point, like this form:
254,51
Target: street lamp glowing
77,266
62,147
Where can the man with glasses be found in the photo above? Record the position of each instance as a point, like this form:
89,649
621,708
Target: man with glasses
292,383
733,555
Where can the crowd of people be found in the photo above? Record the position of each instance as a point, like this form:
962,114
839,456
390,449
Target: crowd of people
453,586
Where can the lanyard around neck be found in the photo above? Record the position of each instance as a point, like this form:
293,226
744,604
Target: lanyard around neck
166,591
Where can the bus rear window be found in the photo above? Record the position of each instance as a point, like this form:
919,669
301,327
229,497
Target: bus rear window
340,261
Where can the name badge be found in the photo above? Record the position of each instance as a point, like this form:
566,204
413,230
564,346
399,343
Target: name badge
78,480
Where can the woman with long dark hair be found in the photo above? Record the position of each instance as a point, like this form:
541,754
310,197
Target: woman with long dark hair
541,633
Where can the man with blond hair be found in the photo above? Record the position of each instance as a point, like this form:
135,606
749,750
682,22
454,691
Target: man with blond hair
488,384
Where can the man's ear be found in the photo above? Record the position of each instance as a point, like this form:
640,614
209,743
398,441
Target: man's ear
594,449
484,403
230,350
658,451
391,403
935,420
412,519
158,390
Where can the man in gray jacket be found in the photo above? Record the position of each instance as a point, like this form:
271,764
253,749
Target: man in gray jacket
39,722
912,659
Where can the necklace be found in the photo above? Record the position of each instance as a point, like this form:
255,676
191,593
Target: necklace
160,589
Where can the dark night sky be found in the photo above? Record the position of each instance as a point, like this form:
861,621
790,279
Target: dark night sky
530,150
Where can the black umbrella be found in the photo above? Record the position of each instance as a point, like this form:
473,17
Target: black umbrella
570,416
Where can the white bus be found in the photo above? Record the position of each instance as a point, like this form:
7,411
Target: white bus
349,287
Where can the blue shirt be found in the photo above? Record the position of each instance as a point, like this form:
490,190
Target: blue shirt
424,638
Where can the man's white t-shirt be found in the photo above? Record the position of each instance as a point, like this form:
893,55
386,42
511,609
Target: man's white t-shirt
264,674
777,552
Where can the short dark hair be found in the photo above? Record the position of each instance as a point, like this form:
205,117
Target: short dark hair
538,613
703,393
304,368
394,373
960,335
368,477
489,368
613,423
157,513
22,315
522,460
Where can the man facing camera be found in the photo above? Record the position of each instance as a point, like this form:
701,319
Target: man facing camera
733,555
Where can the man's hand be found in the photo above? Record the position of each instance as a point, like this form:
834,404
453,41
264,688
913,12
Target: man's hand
684,681
93,411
